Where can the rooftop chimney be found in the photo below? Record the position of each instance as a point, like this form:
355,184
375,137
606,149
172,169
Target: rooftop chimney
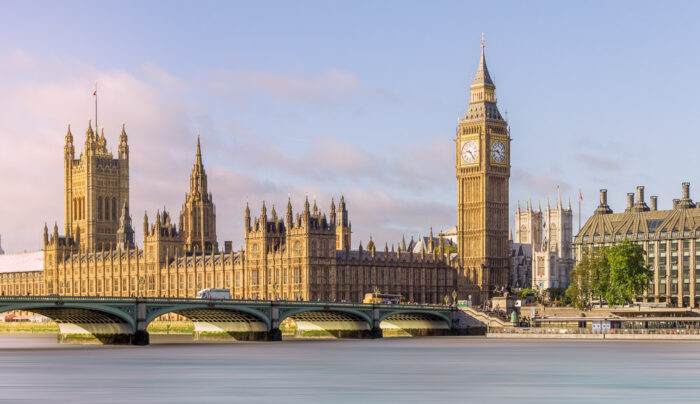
640,194
686,190
630,201
653,202
603,208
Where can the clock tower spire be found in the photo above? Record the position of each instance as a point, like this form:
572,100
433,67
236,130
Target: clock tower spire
483,172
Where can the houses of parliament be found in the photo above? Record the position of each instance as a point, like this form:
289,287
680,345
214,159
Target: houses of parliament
304,254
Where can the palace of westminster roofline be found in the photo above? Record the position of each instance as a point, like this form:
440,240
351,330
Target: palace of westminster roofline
640,221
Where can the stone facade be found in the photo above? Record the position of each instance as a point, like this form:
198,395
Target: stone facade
671,239
542,242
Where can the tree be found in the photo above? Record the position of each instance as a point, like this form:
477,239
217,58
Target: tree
579,290
599,274
629,274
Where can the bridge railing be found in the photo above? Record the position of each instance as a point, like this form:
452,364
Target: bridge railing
185,300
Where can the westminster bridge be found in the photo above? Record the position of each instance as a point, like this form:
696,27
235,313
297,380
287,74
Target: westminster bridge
115,320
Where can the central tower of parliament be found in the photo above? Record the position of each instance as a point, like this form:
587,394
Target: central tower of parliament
304,255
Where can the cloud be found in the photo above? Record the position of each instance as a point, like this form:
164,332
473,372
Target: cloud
597,162
329,85
542,184
385,188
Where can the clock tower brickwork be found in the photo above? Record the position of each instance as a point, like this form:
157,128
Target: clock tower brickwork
483,171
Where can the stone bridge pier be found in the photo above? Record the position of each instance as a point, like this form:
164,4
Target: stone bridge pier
140,334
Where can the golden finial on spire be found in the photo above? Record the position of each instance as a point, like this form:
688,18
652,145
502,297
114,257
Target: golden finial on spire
482,40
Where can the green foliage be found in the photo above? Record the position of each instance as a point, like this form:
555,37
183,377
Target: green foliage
617,274
555,293
629,274
579,290
524,293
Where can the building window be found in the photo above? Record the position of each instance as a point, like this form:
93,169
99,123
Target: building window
254,277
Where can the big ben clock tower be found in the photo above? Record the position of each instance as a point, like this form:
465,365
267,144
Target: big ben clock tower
483,170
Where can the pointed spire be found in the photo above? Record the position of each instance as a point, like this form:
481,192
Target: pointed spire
403,243
547,205
263,210
198,159
69,135
539,208
122,136
482,77
315,209
306,205
517,207
145,224
568,204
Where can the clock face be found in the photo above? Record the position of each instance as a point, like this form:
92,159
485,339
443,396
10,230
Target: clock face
498,152
470,151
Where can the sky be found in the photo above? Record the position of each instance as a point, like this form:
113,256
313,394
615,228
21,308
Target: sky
361,99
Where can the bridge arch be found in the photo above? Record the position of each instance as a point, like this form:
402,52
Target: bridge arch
443,316
82,322
314,309
329,321
179,309
220,321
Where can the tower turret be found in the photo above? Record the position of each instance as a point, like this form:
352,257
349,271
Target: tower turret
198,211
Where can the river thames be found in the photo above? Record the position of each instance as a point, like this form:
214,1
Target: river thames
33,368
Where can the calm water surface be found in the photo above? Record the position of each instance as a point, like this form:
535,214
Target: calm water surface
407,370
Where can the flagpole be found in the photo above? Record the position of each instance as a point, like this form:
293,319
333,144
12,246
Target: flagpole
96,108
580,197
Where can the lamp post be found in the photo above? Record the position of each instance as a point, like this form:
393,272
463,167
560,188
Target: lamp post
454,297
447,300
274,291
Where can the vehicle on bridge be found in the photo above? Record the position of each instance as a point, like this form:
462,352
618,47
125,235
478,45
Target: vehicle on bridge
214,294
385,298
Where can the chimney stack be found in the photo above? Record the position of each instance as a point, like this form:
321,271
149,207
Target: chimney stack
640,194
630,200
653,202
603,208
686,190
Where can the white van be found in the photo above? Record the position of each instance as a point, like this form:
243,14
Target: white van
214,294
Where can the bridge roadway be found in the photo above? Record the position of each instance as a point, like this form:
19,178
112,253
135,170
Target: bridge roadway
124,320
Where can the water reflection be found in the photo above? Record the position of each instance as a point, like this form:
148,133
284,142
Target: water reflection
409,370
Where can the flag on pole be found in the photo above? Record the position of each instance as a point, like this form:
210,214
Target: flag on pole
95,93
580,197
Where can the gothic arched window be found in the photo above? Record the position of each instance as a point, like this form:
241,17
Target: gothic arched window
114,208
99,208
